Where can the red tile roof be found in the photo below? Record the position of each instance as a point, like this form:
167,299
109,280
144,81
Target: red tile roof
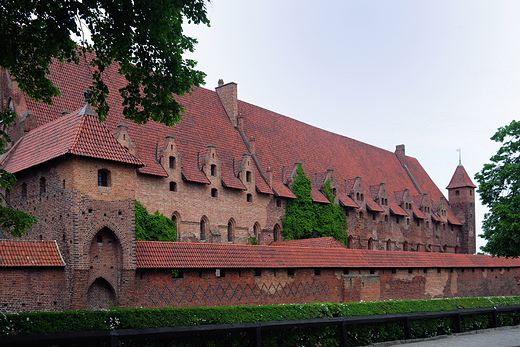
280,144
229,180
396,209
29,253
317,196
322,242
262,186
76,133
460,179
152,254
418,213
282,190
346,200
372,205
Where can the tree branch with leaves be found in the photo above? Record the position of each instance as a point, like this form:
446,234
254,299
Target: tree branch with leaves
499,189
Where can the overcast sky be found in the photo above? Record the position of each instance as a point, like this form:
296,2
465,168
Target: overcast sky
432,75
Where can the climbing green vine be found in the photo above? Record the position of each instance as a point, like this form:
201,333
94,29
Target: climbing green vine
306,219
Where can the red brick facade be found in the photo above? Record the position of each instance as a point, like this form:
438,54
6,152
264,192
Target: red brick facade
223,174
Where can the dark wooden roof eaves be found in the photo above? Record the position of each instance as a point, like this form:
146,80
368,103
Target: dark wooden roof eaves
30,254
153,254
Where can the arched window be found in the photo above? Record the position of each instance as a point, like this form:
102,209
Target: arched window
230,230
24,190
350,242
405,246
256,229
388,245
203,228
176,218
173,187
370,243
103,178
276,232
172,162
43,185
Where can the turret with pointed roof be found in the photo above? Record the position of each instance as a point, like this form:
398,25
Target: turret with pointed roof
461,192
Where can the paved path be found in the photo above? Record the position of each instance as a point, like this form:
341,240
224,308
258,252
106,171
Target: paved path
500,337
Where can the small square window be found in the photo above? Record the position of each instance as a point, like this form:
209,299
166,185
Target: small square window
173,187
249,198
214,193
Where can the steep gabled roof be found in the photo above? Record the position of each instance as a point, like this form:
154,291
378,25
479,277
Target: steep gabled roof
29,254
460,179
183,255
78,133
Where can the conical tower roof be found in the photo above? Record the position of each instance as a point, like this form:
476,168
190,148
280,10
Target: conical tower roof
460,179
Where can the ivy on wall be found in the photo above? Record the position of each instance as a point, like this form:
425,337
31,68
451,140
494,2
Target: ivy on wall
153,227
306,219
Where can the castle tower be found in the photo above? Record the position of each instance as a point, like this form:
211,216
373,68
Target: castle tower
461,193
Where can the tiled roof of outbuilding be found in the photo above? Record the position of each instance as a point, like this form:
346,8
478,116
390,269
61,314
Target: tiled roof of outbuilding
76,133
322,242
29,253
152,254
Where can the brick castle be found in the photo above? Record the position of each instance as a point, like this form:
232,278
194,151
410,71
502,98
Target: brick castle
223,174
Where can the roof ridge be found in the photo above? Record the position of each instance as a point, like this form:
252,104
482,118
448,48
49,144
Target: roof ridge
77,134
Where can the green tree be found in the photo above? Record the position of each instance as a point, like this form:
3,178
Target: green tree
143,37
12,221
499,189
306,219
153,227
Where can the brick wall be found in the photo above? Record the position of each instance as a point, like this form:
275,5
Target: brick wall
32,289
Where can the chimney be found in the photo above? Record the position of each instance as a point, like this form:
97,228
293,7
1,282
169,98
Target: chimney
400,154
227,94
269,176
252,145
240,122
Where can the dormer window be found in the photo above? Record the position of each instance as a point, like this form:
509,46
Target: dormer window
249,198
103,178
172,162
213,170
173,187
214,193
248,176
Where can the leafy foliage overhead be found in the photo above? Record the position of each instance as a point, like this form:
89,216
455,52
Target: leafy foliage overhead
144,37
499,189
153,227
306,219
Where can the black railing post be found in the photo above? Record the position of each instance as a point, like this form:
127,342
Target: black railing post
495,318
407,328
458,322
343,339
114,341
258,334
